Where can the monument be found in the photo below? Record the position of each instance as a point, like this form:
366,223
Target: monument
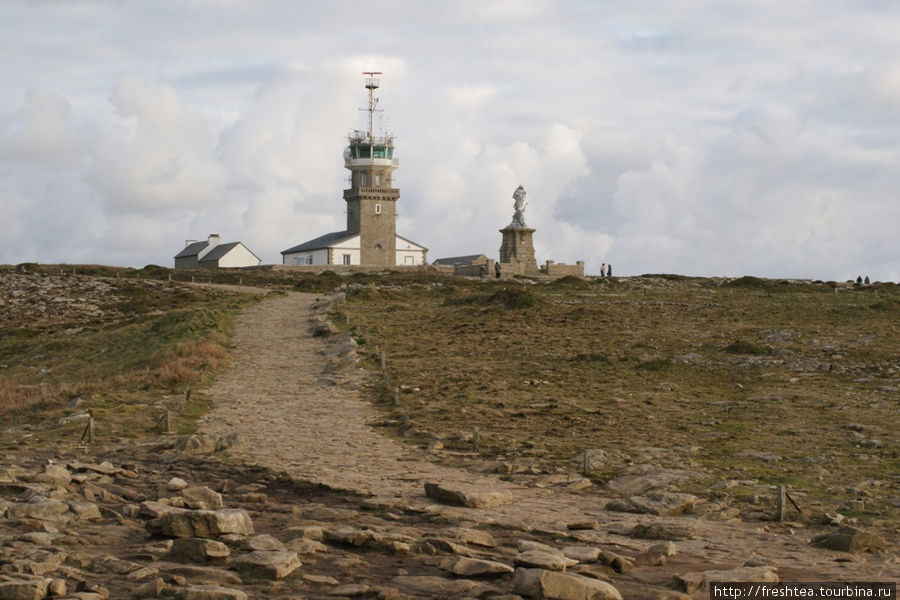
517,247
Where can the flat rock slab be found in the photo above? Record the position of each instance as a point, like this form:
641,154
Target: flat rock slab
474,567
850,539
553,561
470,497
438,586
662,504
539,583
691,582
212,592
663,531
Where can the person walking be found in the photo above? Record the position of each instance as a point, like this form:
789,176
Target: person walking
609,270
481,271
497,269
603,270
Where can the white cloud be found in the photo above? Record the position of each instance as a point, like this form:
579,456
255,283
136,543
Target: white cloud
695,137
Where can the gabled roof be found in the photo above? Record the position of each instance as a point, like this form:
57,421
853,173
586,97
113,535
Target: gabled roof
192,249
323,241
412,242
219,251
459,260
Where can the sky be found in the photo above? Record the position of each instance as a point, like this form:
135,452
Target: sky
682,136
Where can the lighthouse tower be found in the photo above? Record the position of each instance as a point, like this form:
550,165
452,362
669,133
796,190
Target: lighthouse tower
370,238
371,199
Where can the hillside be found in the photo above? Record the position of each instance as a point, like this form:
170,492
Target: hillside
308,424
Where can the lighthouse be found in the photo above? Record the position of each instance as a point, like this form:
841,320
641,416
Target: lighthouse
371,200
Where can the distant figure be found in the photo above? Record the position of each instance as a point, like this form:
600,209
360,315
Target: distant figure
609,270
603,270
497,269
866,280
858,280
481,271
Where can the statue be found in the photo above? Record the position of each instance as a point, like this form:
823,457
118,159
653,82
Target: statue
519,208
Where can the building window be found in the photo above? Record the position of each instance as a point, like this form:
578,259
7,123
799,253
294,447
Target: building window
346,259
378,246
409,260
378,209
364,178
377,178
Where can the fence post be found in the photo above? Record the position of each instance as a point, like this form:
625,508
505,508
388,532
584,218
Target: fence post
476,436
779,504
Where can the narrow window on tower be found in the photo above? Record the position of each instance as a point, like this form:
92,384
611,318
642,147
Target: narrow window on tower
378,209
364,179
377,178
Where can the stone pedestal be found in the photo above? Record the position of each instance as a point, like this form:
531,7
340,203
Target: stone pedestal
517,251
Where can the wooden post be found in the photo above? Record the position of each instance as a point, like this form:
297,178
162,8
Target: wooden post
779,504
397,396
88,432
476,436
192,279
383,362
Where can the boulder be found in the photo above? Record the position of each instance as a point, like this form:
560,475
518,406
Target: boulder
850,539
349,536
263,542
202,497
583,554
661,503
41,509
539,583
21,589
56,475
467,496
271,564
202,523
474,567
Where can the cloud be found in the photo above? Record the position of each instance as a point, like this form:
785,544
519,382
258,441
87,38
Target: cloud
42,131
158,157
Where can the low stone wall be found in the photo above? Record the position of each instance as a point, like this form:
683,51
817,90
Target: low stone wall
348,269
553,269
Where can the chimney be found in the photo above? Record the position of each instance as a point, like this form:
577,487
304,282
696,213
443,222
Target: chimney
189,242
213,240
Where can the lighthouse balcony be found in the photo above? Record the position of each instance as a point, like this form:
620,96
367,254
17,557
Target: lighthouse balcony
371,162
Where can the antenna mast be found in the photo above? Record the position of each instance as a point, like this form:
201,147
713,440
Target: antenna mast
372,84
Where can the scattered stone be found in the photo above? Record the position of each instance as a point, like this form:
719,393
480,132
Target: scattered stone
263,542
850,539
349,536
649,480
151,589
305,546
577,525
619,563
467,497
272,564
474,567
319,579
351,590
199,550
21,589
583,554
176,484
662,504
658,554
539,583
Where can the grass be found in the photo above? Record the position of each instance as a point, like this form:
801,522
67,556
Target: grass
704,368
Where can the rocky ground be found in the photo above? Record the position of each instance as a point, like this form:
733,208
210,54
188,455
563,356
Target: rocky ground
288,492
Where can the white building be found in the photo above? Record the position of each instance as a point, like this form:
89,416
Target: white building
343,248
213,255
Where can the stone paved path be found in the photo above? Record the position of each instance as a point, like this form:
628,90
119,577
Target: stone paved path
294,418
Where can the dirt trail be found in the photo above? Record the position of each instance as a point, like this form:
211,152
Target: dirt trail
293,417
